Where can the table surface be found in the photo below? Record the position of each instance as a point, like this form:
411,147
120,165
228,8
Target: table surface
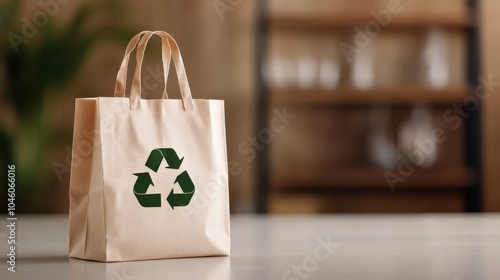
437,247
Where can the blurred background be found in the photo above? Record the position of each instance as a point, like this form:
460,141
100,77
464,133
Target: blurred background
332,106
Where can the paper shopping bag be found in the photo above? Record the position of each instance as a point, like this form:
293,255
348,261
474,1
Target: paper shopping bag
149,178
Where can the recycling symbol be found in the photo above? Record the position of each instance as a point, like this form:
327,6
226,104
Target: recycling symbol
144,180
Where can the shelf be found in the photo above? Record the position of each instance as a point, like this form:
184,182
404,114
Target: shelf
350,95
457,177
346,20
427,190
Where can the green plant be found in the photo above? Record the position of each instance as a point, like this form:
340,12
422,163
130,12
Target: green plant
32,77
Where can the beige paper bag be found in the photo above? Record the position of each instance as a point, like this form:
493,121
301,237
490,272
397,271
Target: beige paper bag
149,178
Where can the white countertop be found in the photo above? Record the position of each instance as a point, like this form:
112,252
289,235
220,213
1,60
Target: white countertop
437,247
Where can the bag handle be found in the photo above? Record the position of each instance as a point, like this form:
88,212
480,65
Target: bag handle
121,77
167,39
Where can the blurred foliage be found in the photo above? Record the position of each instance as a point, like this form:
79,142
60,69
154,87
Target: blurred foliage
35,71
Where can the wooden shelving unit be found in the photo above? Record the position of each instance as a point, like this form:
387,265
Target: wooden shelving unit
344,95
464,181
370,178
327,21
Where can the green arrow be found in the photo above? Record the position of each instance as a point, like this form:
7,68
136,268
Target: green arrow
187,186
141,187
157,155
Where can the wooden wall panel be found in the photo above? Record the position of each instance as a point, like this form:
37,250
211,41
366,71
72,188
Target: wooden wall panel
491,112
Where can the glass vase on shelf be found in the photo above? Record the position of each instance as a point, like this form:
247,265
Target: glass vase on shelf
278,68
307,68
277,71
414,135
362,68
435,58
382,149
329,65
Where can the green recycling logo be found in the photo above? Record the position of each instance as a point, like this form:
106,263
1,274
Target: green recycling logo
144,180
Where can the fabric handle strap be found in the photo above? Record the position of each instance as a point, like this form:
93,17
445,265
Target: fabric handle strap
121,78
168,43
